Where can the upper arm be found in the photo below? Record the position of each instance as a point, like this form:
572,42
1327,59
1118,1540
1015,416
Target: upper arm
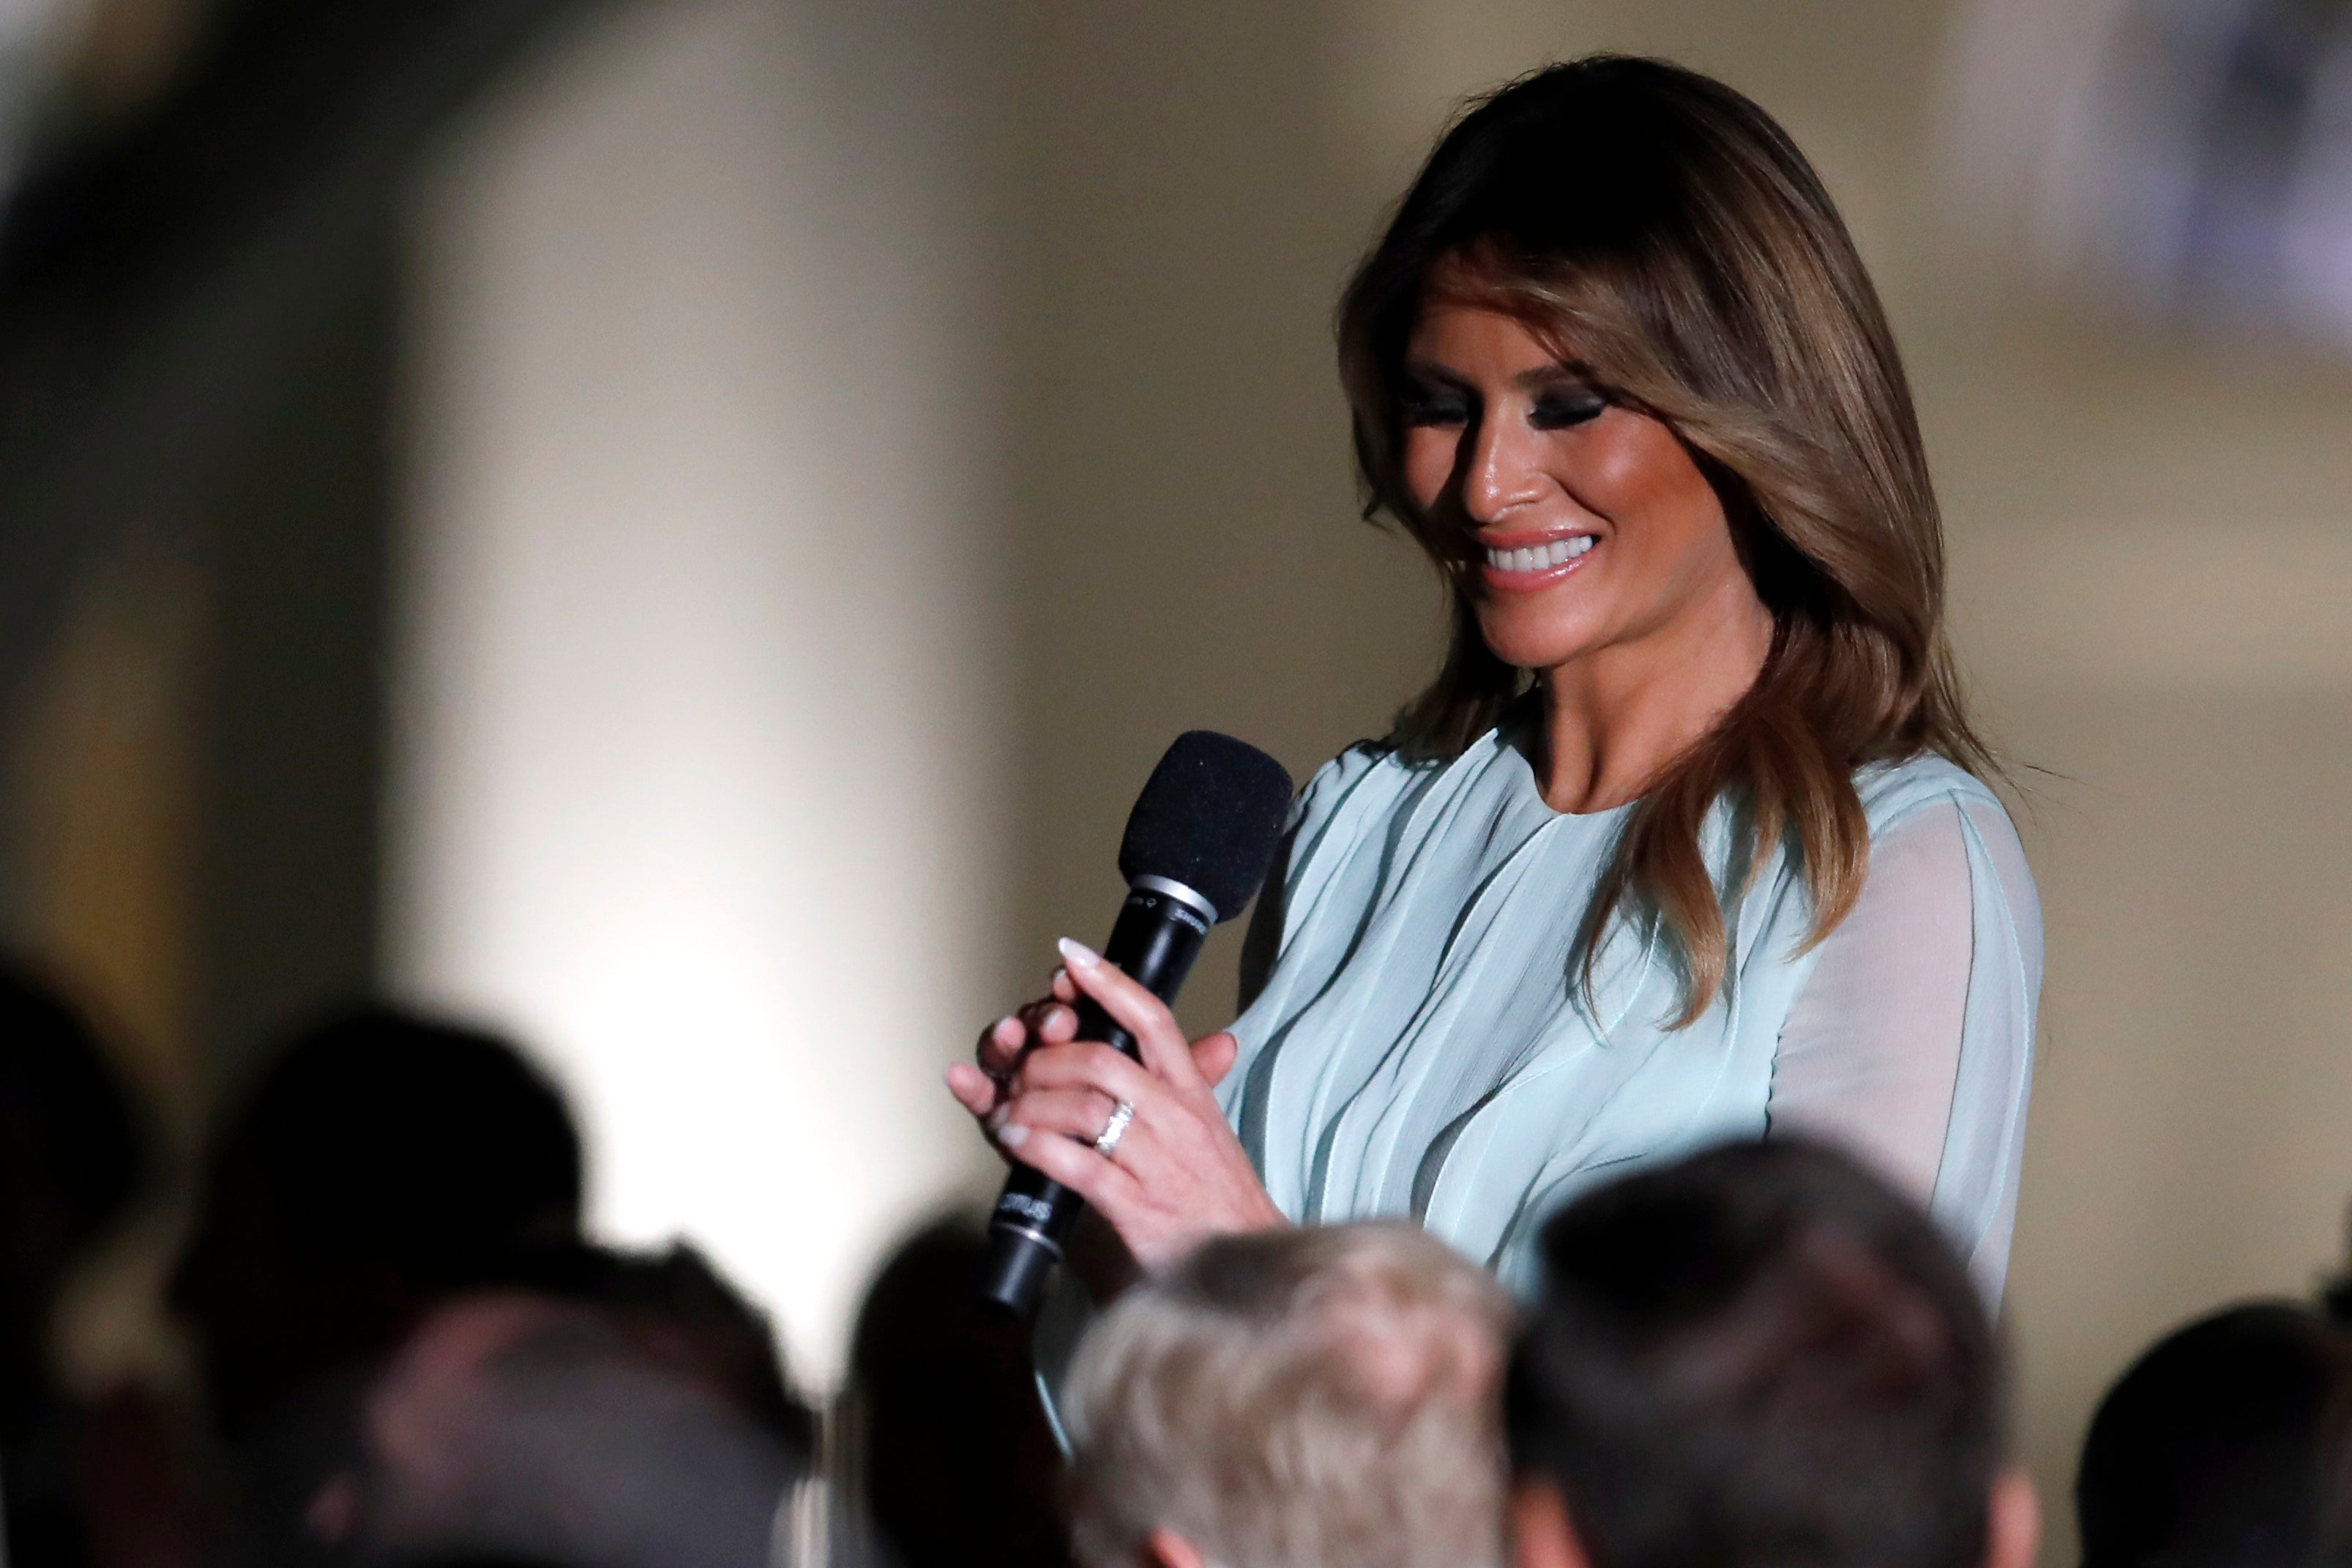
1912,1043
1871,1051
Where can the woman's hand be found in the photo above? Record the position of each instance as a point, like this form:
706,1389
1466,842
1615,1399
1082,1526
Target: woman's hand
1177,1175
985,1088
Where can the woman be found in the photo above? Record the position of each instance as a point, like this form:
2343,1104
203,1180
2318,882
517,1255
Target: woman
1688,841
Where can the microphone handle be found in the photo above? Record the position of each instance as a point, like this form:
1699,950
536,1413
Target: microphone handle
1155,940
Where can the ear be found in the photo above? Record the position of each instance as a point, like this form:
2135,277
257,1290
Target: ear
2013,1525
1542,1536
1165,1549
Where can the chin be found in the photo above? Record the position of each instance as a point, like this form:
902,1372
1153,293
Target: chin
1528,642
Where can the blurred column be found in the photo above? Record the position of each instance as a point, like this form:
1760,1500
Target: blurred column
698,771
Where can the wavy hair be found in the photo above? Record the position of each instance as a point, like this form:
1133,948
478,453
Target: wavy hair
1666,238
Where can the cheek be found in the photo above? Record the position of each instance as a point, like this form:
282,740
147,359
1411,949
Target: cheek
1428,463
1632,467
1669,515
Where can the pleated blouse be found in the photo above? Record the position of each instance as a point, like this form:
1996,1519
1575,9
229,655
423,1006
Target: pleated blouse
1422,1045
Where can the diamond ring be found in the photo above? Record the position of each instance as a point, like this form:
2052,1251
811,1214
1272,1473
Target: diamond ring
1107,1140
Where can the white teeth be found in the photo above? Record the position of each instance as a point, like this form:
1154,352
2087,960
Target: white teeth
1540,557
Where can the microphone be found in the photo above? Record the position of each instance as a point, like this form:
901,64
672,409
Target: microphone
1198,844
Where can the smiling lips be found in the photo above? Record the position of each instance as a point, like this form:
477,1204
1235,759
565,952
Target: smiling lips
1537,564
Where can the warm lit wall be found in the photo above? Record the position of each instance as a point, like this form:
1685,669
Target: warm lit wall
699,780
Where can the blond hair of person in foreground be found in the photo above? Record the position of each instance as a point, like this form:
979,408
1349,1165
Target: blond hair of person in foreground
1297,1398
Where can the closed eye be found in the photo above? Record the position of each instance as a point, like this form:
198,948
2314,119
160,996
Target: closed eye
1434,406
1563,407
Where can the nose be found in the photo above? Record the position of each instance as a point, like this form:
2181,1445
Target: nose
1504,471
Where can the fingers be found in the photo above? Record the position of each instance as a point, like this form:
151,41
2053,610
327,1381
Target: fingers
1079,1114
1051,1022
1047,1023
1141,1013
1213,1057
1077,1167
1089,1064
1002,1043
973,1090
999,1046
1072,1089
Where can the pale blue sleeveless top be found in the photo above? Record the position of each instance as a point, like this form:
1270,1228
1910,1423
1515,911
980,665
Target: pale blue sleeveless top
1422,1047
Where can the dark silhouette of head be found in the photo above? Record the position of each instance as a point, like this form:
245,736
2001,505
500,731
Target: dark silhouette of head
70,1160
1762,1355
381,1162
617,1408
680,1313
960,1466
2220,1446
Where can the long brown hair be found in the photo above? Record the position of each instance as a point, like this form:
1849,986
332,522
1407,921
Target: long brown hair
1666,236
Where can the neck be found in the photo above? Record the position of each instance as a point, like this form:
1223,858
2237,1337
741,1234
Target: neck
1615,718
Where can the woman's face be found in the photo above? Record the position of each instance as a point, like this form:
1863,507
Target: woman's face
1591,526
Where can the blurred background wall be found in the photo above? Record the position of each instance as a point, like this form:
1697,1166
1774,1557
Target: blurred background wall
701,762
798,470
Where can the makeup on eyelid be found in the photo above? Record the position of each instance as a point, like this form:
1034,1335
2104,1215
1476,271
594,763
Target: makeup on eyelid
1562,403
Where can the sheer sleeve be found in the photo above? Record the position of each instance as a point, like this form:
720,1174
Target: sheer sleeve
1909,1041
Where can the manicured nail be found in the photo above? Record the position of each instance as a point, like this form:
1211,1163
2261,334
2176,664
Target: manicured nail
1013,1135
1078,954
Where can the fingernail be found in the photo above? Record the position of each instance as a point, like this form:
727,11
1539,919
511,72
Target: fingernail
1013,1135
996,1118
998,1027
1078,954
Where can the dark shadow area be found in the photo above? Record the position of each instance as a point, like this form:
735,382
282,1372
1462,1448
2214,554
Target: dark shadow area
73,1151
197,325
958,1464
406,1345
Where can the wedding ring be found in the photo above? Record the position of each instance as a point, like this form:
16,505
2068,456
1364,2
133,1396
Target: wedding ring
1107,1140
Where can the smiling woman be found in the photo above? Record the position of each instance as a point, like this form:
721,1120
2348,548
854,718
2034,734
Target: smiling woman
1690,840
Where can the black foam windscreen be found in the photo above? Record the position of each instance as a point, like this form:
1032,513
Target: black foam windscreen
1209,817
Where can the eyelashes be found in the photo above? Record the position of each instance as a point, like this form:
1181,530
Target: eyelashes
1435,411
1559,409
1562,410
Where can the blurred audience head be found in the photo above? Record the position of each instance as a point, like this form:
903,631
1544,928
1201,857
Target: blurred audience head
632,1412
69,1162
957,1461
677,1312
1308,1398
1759,1356
381,1163
2220,1448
